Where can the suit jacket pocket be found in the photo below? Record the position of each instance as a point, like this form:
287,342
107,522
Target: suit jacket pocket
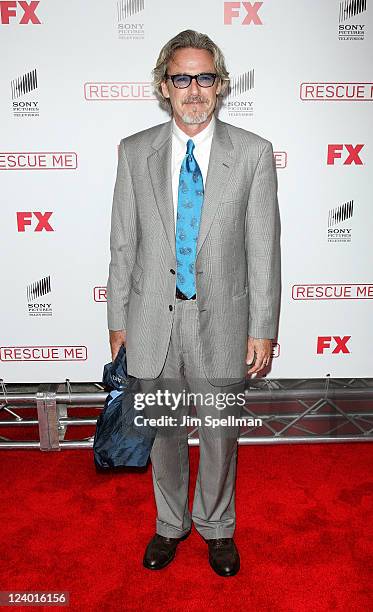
242,293
230,208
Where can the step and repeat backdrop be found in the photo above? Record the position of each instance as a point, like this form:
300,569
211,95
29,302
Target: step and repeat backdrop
76,78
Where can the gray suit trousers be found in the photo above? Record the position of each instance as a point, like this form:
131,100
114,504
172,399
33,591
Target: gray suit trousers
213,512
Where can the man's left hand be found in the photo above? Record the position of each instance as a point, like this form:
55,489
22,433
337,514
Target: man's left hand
263,350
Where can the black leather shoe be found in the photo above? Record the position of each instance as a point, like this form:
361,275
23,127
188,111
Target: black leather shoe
223,556
160,551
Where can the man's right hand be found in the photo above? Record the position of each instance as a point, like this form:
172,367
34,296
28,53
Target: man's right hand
117,338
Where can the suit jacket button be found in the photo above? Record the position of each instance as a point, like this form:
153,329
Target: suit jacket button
170,306
172,271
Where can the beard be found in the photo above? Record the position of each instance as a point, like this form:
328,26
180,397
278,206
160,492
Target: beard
195,117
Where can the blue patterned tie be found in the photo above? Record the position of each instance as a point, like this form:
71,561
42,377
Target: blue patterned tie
189,206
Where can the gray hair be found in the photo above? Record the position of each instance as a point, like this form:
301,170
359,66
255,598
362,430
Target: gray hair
196,40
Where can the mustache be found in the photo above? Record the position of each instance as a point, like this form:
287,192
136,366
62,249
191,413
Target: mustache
191,99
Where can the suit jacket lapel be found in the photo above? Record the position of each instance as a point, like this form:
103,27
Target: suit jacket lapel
220,167
159,164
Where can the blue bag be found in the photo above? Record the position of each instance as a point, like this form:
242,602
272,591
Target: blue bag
118,441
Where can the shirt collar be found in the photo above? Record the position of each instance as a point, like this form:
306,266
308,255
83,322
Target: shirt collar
199,138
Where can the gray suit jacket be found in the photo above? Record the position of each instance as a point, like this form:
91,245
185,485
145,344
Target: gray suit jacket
238,250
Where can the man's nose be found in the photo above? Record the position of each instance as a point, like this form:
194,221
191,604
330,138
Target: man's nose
194,87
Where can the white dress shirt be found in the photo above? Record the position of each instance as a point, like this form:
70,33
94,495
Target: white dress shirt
201,152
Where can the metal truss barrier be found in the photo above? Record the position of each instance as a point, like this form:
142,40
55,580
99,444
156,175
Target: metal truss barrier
290,410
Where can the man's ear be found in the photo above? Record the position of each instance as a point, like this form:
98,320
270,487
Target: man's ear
218,88
164,88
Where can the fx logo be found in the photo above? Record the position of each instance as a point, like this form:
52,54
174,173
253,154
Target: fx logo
8,10
232,11
25,218
335,152
324,342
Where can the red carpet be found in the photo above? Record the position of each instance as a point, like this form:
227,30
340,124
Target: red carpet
305,533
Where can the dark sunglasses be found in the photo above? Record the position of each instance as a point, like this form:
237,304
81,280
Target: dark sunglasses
181,81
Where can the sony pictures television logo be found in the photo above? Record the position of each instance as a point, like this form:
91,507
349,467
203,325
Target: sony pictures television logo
22,88
127,15
338,230
239,102
350,16
37,304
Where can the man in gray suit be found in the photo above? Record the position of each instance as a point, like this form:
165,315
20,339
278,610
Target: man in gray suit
194,284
